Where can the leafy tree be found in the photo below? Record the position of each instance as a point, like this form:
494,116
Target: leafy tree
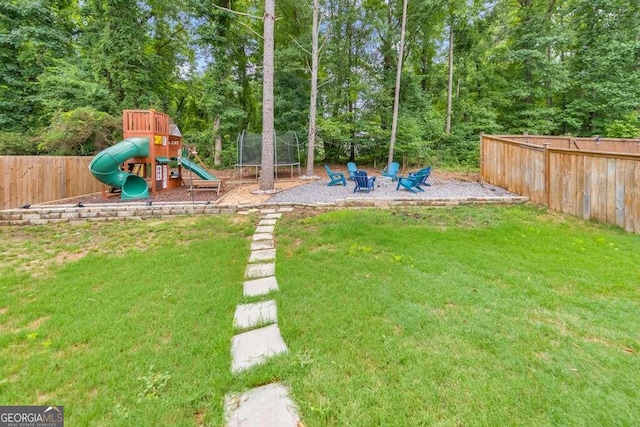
67,84
33,34
136,50
537,66
17,144
80,132
529,66
396,97
605,83
348,79
627,127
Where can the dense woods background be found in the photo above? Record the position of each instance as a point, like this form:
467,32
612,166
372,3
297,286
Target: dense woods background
68,68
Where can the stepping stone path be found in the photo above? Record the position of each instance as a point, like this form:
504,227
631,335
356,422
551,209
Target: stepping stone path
269,405
259,338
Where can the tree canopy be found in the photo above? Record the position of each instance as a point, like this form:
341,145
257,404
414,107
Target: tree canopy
68,68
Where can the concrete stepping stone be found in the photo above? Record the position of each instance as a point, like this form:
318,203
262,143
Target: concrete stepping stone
262,236
254,347
286,209
265,229
273,216
250,315
262,244
255,271
262,286
265,406
268,222
262,256
267,211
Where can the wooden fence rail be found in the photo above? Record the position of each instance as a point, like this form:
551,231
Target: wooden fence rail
40,179
585,177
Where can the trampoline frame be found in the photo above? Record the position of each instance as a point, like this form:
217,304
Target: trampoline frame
238,167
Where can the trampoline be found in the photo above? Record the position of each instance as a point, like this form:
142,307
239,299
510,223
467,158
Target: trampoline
286,152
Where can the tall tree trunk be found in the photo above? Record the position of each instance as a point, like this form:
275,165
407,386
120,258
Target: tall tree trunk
245,95
447,129
217,147
314,91
396,98
352,64
266,177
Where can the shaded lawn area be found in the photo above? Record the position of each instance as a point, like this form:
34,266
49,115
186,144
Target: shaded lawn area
465,316
123,323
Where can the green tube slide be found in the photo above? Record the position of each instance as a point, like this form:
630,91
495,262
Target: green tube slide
105,167
198,170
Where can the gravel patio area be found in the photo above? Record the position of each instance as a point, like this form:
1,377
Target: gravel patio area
319,192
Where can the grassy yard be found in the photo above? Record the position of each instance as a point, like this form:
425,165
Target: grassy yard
470,316
125,323
465,316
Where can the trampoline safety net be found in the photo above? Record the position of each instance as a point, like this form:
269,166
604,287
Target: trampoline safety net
286,150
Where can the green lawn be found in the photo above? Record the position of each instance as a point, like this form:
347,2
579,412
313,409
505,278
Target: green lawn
465,316
123,323
469,316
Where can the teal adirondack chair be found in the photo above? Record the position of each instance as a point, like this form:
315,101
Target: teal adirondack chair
351,168
424,171
411,183
335,177
392,171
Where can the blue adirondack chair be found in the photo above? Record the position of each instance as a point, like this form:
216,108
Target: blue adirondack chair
363,182
351,168
392,171
424,171
411,183
335,177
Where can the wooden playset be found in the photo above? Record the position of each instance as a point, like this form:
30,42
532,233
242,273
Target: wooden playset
161,167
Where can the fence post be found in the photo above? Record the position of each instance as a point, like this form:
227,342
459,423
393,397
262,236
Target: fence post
482,156
63,178
547,173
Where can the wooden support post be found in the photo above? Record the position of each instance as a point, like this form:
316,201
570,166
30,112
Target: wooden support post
482,156
547,174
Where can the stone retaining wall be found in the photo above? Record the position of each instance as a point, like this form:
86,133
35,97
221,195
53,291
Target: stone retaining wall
36,215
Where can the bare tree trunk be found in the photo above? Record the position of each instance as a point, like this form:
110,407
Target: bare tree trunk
447,129
217,147
314,91
266,177
396,98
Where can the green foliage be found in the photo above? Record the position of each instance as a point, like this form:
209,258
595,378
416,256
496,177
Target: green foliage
204,143
606,79
456,151
65,86
16,144
628,127
33,34
544,67
80,132
153,384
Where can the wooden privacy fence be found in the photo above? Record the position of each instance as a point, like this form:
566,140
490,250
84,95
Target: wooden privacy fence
40,179
591,178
